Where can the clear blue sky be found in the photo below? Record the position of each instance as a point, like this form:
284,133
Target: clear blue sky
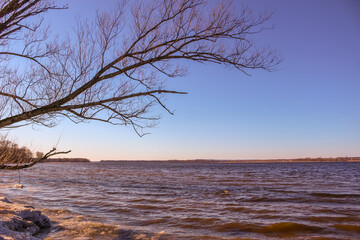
310,107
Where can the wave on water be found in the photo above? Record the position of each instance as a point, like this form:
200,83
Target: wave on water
348,227
276,228
335,195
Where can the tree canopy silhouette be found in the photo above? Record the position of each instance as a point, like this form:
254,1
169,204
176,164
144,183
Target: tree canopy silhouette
114,69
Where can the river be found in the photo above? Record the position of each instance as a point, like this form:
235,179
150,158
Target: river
202,201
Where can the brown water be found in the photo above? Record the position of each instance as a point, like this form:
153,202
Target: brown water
203,201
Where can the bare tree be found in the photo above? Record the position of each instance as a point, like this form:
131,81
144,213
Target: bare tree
14,157
114,70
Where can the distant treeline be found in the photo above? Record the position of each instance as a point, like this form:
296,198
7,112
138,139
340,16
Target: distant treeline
320,159
67,160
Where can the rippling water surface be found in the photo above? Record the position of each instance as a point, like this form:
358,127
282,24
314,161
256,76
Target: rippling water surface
203,201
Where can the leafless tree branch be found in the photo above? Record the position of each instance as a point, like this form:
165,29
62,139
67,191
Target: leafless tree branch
115,69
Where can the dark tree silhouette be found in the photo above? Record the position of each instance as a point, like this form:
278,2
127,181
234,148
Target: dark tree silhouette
115,68
13,157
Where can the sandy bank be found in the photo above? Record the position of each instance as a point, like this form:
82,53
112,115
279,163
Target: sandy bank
20,221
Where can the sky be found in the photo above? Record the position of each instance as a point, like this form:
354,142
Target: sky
308,107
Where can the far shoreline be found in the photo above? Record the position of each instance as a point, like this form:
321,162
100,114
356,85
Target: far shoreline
226,161
209,161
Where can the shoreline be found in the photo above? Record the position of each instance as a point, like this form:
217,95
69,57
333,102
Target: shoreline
21,221
227,161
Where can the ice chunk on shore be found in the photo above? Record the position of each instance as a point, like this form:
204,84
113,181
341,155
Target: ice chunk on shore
20,222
